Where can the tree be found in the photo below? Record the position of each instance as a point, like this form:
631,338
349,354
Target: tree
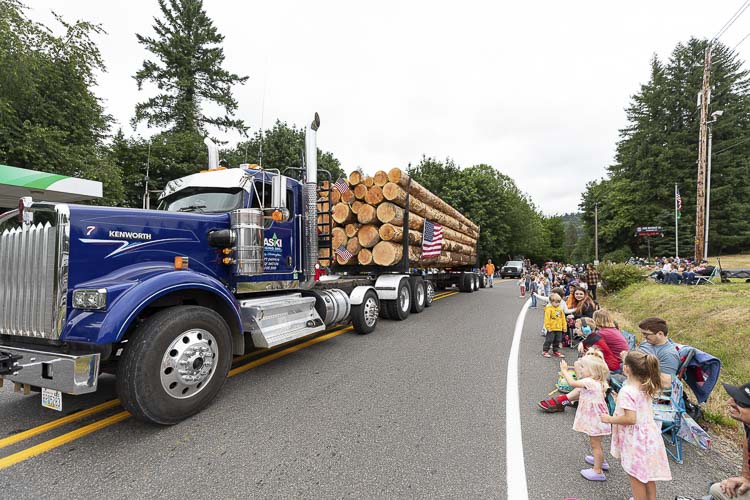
510,225
187,72
49,117
283,148
659,148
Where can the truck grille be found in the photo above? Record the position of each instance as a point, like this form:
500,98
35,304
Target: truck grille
33,278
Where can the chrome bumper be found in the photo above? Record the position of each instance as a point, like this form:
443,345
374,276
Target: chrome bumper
62,372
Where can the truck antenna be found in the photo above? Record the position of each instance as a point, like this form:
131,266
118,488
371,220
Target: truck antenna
262,114
146,194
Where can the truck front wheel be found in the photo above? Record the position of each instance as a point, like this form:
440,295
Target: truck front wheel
174,364
365,315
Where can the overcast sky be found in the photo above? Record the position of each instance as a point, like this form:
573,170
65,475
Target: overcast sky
535,89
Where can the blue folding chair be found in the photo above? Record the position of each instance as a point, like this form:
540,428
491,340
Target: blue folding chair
669,409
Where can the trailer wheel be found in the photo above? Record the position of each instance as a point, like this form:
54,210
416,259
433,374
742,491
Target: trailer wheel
418,293
466,284
429,293
365,315
399,309
476,282
174,364
482,281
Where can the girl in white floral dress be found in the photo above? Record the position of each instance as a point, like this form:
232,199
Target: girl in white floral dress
592,375
636,437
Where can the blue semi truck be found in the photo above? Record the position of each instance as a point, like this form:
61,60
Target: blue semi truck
164,299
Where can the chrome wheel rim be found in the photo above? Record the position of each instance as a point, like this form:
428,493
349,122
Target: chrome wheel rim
429,293
371,311
403,298
188,363
420,295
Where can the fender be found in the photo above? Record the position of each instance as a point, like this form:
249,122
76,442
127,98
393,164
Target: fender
109,326
358,294
387,285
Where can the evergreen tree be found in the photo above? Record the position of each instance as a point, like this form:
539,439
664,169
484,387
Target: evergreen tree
187,71
659,148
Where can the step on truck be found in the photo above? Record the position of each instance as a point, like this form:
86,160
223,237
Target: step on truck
164,299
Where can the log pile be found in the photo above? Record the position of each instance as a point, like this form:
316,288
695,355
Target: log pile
368,220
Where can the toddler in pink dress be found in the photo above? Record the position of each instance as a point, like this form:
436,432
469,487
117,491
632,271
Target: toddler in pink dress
592,374
636,437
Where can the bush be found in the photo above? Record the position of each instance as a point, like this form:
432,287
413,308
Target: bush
622,254
618,276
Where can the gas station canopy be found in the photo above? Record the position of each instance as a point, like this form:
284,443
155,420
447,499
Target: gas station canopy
41,186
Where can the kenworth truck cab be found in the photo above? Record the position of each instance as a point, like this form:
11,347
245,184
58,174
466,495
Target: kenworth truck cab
165,298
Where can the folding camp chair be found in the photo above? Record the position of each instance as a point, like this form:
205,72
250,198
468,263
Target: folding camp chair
669,410
703,280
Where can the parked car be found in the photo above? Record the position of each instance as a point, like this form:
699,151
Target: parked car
512,269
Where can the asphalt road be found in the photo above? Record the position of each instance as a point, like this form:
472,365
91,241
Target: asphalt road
416,409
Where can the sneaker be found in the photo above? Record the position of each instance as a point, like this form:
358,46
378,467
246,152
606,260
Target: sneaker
558,354
593,476
546,354
590,460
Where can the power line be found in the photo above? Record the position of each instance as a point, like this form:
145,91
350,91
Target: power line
732,146
731,20
740,42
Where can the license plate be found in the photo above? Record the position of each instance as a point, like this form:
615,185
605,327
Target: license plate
52,399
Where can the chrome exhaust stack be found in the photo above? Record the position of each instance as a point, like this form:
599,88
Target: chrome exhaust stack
309,204
213,154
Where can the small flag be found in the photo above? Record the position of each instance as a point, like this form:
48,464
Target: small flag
432,239
678,199
343,253
341,185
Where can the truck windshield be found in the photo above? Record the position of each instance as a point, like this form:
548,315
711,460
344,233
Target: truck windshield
203,200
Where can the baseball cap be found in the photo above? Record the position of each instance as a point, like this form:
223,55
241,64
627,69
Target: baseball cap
740,394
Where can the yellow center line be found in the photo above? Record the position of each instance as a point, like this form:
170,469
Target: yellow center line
445,296
21,436
61,440
53,443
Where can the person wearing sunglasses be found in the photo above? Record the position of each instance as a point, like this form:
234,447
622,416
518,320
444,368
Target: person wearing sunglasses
735,487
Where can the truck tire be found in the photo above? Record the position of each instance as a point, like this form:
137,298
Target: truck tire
365,315
399,309
429,293
466,283
418,294
482,281
150,386
476,282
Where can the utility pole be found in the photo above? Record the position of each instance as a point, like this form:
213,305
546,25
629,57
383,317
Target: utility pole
596,233
700,199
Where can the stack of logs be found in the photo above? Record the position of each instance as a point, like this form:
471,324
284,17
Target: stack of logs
368,220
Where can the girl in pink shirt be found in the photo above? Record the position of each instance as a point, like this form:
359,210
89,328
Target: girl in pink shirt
636,437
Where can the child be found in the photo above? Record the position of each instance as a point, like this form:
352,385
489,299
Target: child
522,286
533,290
592,382
555,324
636,437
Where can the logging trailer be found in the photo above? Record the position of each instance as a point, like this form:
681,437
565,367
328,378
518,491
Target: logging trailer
163,299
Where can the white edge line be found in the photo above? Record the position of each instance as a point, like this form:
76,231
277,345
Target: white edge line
514,461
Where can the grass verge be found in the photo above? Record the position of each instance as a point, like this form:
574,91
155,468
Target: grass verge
712,318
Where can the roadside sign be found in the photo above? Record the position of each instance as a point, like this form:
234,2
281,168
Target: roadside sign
649,231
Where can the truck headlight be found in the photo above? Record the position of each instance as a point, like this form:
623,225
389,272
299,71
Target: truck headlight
90,299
